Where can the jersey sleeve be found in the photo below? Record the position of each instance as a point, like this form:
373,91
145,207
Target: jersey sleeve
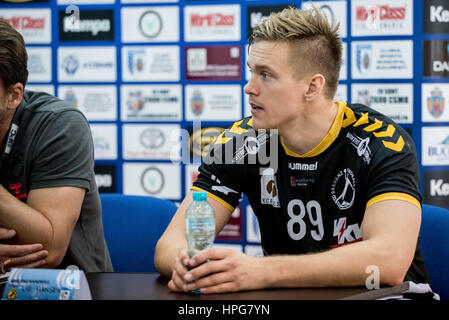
64,153
219,174
395,173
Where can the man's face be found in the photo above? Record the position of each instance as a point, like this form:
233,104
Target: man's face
275,95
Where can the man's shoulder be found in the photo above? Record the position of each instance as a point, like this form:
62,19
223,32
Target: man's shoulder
41,102
362,123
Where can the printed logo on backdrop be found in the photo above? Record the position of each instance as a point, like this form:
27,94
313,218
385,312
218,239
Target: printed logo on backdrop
435,97
435,146
335,11
382,17
70,64
96,102
200,140
81,64
152,138
33,24
150,24
197,103
212,23
149,141
436,16
213,63
382,59
363,55
151,102
105,177
90,25
436,188
436,58
39,64
255,15
435,103
150,63
393,100
105,141
136,60
213,102
152,180
157,179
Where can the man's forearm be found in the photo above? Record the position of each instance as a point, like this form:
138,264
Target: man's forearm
30,225
164,257
343,266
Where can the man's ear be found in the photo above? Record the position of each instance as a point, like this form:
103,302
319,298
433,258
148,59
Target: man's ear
316,86
15,95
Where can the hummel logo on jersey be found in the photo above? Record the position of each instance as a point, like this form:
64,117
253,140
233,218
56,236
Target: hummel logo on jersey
303,166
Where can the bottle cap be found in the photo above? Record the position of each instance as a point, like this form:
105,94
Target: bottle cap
199,195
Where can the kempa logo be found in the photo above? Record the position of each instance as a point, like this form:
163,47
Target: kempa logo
438,187
439,14
94,26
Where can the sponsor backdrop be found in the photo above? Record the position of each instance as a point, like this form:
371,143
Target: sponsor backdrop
159,80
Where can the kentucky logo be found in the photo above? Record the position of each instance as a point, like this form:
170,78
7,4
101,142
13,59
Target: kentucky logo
435,103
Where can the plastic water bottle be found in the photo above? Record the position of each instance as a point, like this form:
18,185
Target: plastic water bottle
200,224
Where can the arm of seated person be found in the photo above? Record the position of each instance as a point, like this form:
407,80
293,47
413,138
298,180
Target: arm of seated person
171,256
48,218
389,229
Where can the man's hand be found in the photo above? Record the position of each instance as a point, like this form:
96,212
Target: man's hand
22,256
217,270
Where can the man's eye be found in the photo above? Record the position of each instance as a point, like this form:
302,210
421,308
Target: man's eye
264,75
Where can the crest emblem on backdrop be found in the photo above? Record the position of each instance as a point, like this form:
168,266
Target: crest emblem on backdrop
435,103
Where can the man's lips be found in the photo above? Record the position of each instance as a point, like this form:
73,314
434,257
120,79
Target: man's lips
255,106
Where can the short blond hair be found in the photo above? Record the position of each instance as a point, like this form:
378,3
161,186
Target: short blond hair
316,46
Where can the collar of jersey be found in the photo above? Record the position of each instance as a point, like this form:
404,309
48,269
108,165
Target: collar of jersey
327,140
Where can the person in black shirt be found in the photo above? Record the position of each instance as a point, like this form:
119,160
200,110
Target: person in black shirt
334,186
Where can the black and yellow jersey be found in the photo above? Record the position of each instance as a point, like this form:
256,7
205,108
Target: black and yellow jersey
315,201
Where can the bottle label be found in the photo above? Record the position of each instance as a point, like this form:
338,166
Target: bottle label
206,225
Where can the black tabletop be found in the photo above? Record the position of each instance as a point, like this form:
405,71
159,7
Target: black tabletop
151,286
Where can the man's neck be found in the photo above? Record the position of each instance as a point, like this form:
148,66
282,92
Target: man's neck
307,132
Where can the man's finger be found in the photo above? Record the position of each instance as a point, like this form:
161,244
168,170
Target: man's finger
7,233
208,254
29,258
7,250
35,264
